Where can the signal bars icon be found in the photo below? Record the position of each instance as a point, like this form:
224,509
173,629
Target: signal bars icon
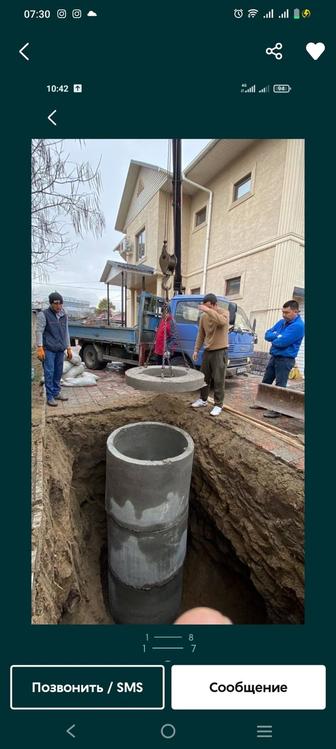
251,90
285,14
269,14
245,89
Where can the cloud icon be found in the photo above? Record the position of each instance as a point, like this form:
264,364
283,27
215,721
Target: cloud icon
91,13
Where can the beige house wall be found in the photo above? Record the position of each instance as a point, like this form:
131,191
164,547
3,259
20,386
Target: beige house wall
255,271
288,267
147,218
148,184
185,236
260,238
154,217
237,228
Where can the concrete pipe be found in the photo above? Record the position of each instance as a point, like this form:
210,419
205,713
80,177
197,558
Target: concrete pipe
148,474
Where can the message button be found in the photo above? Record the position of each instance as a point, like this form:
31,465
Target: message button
248,687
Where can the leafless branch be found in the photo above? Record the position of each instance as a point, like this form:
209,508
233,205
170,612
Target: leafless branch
61,189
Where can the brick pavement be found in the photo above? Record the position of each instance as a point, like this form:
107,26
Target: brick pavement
240,393
111,390
111,387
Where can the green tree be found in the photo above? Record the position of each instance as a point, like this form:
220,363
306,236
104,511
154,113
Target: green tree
102,305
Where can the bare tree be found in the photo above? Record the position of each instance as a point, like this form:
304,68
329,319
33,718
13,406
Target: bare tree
65,201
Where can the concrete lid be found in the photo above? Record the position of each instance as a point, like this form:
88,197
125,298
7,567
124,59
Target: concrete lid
175,379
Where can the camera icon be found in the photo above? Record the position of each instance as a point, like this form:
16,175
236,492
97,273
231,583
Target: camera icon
76,13
61,13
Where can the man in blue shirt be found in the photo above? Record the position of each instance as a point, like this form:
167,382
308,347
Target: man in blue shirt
285,337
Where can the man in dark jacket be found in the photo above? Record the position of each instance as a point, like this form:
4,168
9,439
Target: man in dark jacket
52,338
285,336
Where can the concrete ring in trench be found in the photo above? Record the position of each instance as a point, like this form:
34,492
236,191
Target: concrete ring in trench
175,379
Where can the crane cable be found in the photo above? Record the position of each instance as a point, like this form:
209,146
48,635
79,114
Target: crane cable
167,205
167,264
167,261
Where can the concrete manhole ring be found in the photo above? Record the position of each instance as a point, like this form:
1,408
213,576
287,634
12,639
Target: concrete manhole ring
182,380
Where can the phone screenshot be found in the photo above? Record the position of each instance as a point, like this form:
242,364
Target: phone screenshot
168,513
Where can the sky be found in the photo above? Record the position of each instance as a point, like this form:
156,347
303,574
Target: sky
77,275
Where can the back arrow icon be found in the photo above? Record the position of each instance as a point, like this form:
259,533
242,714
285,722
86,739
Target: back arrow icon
50,117
21,52
69,731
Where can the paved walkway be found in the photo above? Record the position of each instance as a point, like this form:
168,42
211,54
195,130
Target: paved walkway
240,393
111,387
111,390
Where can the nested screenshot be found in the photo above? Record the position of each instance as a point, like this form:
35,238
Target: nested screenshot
168,369
168,389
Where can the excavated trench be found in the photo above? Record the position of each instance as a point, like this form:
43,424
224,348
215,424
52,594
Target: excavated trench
245,537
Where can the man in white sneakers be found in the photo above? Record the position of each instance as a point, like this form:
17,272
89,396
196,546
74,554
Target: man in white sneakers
213,332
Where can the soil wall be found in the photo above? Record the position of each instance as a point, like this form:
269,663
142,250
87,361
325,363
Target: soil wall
247,516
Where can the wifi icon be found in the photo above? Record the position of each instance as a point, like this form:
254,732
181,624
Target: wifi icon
252,13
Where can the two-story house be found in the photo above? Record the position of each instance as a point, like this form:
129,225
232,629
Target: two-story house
242,224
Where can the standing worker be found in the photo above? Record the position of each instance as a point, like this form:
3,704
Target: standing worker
52,338
285,336
213,332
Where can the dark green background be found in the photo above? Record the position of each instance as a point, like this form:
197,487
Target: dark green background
154,71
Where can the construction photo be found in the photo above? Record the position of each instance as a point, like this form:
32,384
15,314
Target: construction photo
168,381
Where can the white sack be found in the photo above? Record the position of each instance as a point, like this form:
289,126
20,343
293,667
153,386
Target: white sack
86,379
74,372
75,358
66,366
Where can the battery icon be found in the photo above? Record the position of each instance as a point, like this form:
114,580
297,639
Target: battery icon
281,88
296,13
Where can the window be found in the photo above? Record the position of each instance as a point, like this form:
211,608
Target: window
152,305
200,216
140,240
223,305
243,187
187,312
195,291
232,286
241,322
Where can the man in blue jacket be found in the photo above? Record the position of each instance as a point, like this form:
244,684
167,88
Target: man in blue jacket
285,337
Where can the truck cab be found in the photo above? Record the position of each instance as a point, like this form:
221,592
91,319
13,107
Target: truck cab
134,346
186,315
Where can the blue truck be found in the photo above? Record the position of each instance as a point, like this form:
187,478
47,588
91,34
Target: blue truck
131,346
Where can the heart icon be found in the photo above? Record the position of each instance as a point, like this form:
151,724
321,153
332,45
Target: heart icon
315,50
